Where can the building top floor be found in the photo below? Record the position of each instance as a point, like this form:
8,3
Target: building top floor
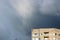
46,30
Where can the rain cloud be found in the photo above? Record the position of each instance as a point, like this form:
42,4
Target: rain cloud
19,17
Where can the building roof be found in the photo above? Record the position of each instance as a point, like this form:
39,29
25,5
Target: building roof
46,28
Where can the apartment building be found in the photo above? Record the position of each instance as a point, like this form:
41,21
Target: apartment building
46,34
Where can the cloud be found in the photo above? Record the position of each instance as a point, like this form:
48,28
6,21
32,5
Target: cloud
18,17
23,7
50,7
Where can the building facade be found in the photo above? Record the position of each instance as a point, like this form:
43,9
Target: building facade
46,34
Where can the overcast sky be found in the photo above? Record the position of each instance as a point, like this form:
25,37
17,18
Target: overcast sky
18,17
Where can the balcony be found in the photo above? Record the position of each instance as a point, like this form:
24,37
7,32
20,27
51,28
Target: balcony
46,34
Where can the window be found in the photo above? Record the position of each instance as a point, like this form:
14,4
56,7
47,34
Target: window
40,39
40,34
35,34
46,32
54,34
58,34
46,37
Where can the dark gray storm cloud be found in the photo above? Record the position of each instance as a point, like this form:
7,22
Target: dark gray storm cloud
18,17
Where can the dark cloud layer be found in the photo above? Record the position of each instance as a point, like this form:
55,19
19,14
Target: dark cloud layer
15,27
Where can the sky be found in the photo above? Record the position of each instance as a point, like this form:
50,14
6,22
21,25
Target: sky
19,17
